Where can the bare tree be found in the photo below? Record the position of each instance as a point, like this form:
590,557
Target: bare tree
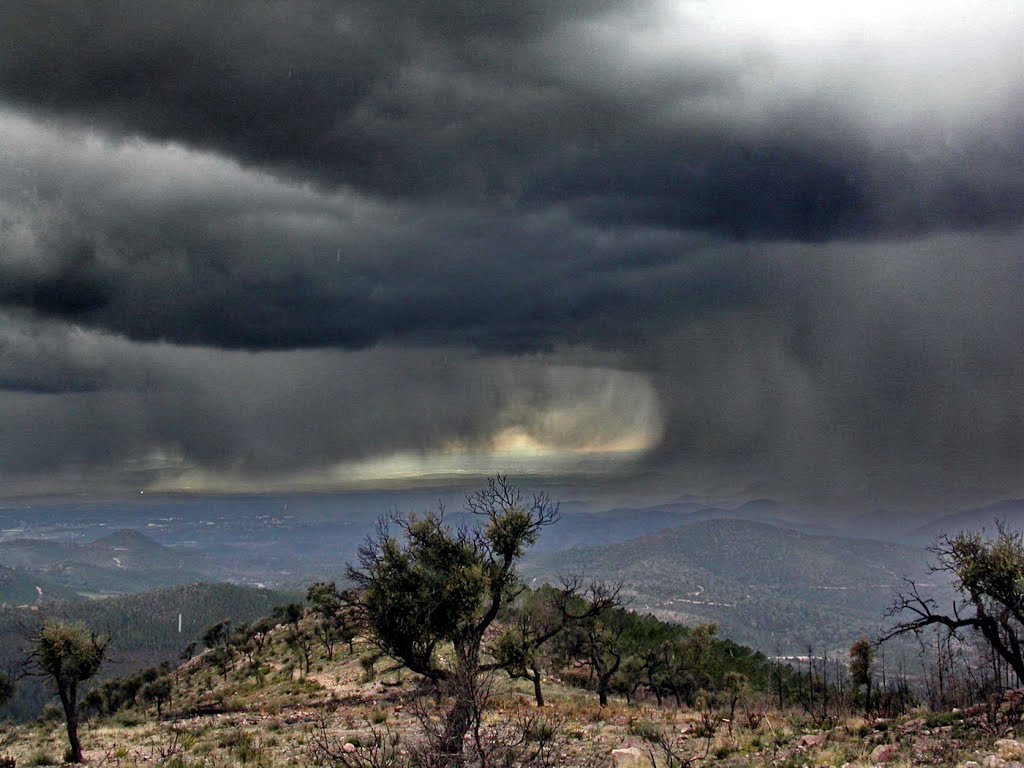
543,616
988,575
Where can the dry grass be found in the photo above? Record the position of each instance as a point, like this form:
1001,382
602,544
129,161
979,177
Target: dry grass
271,724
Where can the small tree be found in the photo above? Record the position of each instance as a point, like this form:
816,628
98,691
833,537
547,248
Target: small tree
6,692
218,639
67,655
601,642
538,617
733,686
158,693
686,662
296,636
334,622
861,656
251,640
433,584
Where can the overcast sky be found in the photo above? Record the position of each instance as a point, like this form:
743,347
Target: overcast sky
759,249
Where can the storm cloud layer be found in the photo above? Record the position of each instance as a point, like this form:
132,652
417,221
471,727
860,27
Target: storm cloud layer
774,252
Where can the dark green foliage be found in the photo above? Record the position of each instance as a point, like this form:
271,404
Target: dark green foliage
334,619
158,693
432,584
148,686
861,656
217,634
423,591
435,584
221,653
640,654
298,634
535,618
250,639
290,613
6,687
93,703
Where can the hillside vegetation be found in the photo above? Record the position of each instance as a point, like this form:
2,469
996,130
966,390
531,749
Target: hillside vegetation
143,628
353,708
439,655
19,587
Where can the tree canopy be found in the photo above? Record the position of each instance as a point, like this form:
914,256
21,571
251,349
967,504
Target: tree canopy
67,654
423,584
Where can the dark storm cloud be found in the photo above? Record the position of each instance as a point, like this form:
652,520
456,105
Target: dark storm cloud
264,238
809,186
880,373
161,244
159,412
357,92
77,286
44,358
508,103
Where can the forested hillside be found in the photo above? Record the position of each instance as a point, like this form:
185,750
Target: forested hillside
19,587
143,628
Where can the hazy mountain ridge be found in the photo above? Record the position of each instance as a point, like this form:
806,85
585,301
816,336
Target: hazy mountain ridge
1009,511
123,561
766,586
621,524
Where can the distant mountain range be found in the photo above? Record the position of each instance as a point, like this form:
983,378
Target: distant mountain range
764,585
770,575
1009,511
588,529
122,562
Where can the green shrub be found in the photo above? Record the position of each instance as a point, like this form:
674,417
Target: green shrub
645,729
940,719
42,757
129,719
51,713
541,731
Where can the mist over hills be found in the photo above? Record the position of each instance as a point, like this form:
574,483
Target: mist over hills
1009,511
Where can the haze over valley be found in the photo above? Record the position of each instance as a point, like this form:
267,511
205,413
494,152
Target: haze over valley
769,575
